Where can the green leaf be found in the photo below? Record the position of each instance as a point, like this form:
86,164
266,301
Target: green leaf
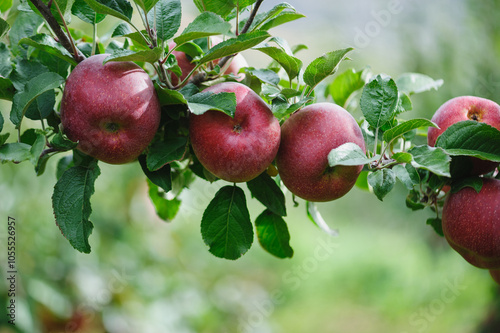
404,177
71,203
402,157
345,84
405,127
37,148
324,66
414,83
2,121
161,177
315,216
166,152
26,24
348,153
234,45
5,5
265,75
4,27
273,234
7,89
382,182
42,107
226,227
64,164
146,5
436,224
167,16
85,13
290,64
15,152
61,142
117,8
413,200
169,96
204,25
34,88
205,101
471,138
475,182
280,19
222,7
6,65
379,100
165,209
151,55
436,160
267,16
265,189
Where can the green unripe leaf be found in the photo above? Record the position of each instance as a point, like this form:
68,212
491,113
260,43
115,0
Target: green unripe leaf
121,9
414,83
205,101
436,224
382,182
204,25
315,217
379,100
161,177
4,27
165,209
324,66
471,138
290,64
85,13
348,154
273,234
165,152
265,189
226,227
15,152
345,85
405,127
150,55
71,203
166,17
34,88
436,160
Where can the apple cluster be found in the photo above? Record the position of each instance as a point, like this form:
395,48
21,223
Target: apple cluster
471,219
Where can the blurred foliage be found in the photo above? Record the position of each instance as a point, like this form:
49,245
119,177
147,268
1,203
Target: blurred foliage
387,272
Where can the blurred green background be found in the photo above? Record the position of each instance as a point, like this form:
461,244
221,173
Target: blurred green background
386,272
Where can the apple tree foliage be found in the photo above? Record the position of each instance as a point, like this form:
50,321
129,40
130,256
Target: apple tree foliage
39,47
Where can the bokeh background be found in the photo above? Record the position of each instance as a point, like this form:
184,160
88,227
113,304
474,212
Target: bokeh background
386,272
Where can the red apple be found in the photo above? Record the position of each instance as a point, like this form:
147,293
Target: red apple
471,223
307,138
466,108
495,274
236,149
112,110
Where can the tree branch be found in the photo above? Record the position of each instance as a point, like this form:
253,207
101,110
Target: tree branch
247,26
63,39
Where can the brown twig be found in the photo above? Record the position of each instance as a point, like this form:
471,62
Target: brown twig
63,39
247,26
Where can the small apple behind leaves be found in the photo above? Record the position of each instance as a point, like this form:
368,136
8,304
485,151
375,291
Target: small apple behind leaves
466,108
184,64
471,224
307,138
236,149
111,110
236,63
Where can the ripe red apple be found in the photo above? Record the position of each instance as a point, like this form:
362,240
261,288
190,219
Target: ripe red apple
183,62
495,274
307,138
112,110
236,149
466,108
471,223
